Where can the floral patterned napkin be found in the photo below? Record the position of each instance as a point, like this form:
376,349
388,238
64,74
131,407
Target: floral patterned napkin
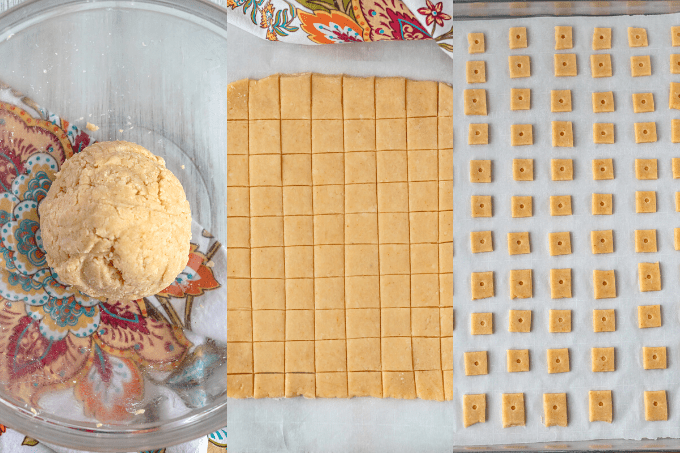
341,21
56,342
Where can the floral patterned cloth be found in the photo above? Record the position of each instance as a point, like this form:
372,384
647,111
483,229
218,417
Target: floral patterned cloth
341,21
55,340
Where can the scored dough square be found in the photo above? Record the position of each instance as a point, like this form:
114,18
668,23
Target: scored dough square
643,102
518,243
327,136
646,169
559,243
392,197
481,206
560,101
649,316
562,169
649,277
675,63
390,134
645,202
603,102
517,360
476,363
519,66
474,409
480,171
519,321
426,352
476,43
421,98
446,164
645,241
422,165
637,37
640,66
359,135
390,97
513,410
521,206
555,409
237,131
602,241
675,36
559,321
264,137
326,96
562,134
521,134
656,406
563,38
600,405
560,205
391,166
602,360
393,228
560,283
364,383
421,133
362,323
296,90
558,360
475,71
399,385
645,132
604,321
481,241
602,204
521,284
523,169
237,100
424,258
603,133
266,231
602,38
520,98
601,65
268,356
482,285
674,96
604,284
565,65
358,94
237,173
478,134
603,169
654,358
481,323
517,37
474,102
264,99
396,354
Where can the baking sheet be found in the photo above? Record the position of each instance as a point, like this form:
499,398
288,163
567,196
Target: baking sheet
629,380
335,425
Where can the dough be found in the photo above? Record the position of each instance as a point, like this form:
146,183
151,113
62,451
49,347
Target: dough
116,223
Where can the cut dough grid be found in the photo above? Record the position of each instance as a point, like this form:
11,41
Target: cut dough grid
565,222
339,238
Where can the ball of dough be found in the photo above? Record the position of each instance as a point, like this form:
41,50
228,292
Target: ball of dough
116,223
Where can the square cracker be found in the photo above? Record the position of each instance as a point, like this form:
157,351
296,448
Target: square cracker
565,65
645,132
475,71
675,63
519,66
562,169
478,134
521,206
637,37
603,133
675,138
481,323
555,409
517,37
481,241
558,360
676,238
560,101
521,134
563,38
643,102
559,243
521,284
603,169
646,169
654,358
602,241
476,363
602,360
523,169
559,321
602,38
517,360
674,96
645,202
675,36
640,66
649,316
649,277
519,321
602,204
600,405
518,243
520,98
645,241
601,65
560,283
656,406
562,134
482,285
513,410
476,43
604,321
603,102
481,206
560,205
474,409
604,284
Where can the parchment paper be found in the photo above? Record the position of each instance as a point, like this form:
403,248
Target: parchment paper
629,380
338,425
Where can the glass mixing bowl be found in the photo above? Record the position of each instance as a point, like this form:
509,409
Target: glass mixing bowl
152,72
